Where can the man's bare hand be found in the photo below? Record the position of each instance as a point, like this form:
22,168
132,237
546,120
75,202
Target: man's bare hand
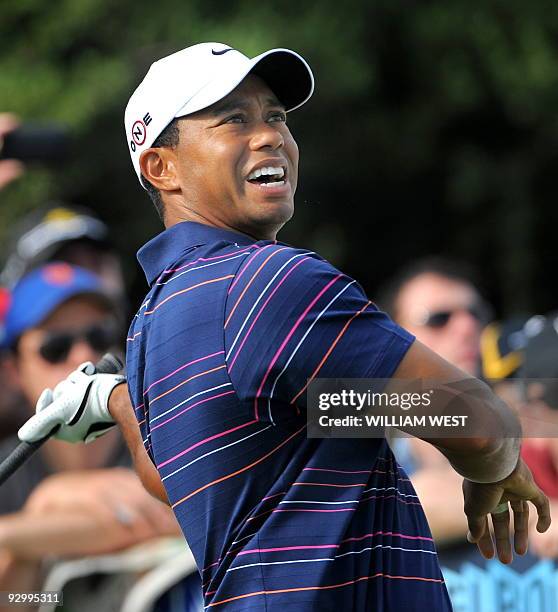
482,499
10,169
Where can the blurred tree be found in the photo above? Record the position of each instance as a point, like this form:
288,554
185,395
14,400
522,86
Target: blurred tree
433,127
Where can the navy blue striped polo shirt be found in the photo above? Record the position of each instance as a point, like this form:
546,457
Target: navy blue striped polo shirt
219,358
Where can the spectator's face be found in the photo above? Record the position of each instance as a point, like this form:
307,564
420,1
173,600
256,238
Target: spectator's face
221,146
79,314
439,312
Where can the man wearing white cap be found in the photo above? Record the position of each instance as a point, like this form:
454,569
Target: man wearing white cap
211,72
221,352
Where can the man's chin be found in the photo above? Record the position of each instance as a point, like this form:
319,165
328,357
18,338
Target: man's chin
275,211
265,220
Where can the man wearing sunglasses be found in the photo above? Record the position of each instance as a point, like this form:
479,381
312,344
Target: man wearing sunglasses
60,316
435,300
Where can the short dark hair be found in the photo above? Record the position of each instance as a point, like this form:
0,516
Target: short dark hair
169,137
441,266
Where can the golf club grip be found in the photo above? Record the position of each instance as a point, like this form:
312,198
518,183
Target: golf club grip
108,364
18,457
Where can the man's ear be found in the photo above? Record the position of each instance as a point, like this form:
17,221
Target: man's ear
158,166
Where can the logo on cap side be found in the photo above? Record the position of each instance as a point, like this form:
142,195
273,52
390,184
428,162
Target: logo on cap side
139,131
222,52
58,274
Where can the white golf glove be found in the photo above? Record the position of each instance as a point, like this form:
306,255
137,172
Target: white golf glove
78,407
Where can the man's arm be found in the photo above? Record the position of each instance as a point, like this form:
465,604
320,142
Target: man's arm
493,471
487,457
122,412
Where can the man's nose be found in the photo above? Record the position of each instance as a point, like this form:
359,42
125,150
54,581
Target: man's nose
465,323
266,136
80,352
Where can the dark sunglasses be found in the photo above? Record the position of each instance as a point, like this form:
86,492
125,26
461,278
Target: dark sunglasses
57,345
440,318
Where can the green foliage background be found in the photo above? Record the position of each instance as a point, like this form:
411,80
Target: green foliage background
433,128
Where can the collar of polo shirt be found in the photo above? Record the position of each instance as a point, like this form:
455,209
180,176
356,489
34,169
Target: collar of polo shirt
156,255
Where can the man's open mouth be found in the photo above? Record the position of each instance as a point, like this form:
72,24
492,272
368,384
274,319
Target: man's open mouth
268,176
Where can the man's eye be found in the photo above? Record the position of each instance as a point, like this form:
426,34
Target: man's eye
278,116
235,119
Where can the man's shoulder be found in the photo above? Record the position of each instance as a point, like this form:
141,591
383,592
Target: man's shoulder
227,273
269,258
238,266
282,279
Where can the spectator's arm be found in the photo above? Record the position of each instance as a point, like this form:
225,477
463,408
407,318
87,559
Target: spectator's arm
85,513
106,494
29,537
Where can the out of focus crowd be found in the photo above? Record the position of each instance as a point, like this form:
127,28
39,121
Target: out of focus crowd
63,302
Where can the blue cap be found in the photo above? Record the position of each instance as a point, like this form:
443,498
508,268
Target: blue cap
41,291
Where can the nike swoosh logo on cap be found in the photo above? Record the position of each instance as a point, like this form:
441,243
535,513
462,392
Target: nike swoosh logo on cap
222,52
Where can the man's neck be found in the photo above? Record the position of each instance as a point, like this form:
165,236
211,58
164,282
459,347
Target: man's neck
172,219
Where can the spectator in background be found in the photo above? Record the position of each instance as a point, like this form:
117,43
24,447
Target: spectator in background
65,500
56,232
436,300
60,232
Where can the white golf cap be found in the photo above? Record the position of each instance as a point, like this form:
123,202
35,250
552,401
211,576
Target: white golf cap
196,77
